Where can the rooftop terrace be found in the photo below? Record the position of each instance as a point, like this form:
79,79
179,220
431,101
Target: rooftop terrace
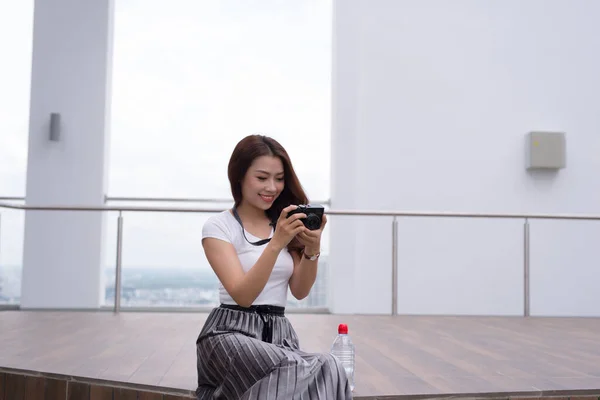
92,353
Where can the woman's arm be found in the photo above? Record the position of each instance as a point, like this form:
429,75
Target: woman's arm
304,275
305,270
244,287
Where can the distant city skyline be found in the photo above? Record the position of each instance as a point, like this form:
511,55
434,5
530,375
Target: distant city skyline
163,287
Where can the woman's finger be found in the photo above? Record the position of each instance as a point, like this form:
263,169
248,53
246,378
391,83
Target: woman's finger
304,235
299,230
312,234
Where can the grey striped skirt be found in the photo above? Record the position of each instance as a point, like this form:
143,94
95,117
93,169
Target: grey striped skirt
254,354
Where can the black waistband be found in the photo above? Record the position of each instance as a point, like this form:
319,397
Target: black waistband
260,309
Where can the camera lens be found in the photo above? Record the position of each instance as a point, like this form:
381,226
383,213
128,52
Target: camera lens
313,222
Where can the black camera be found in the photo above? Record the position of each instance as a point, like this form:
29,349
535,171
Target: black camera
314,215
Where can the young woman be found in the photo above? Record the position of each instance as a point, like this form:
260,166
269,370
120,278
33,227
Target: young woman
247,348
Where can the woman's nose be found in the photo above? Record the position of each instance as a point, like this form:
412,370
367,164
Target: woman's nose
271,185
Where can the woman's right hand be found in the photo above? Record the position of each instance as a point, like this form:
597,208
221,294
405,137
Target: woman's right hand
287,228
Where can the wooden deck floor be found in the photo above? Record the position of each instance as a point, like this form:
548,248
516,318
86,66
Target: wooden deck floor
395,355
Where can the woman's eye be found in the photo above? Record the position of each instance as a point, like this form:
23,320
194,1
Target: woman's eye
260,178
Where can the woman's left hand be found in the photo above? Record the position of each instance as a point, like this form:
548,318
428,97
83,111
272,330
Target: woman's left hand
312,239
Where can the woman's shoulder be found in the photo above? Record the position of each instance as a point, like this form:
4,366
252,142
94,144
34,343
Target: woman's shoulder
220,217
219,226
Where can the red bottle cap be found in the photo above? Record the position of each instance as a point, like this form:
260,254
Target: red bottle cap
343,329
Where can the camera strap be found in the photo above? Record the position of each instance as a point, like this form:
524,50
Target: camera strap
258,243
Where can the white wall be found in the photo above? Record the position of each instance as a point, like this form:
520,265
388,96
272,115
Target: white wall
432,102
72,48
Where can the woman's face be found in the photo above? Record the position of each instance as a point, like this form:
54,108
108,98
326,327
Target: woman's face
264,182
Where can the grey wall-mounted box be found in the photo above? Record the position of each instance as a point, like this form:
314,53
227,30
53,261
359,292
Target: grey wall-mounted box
546,150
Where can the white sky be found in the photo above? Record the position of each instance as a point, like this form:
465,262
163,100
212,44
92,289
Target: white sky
189,81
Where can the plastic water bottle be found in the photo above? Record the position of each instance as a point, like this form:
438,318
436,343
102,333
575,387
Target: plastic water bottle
343,349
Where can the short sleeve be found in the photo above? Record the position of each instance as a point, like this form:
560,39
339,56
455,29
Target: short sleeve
216,228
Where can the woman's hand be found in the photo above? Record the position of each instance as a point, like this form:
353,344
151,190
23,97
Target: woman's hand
287,228
312,239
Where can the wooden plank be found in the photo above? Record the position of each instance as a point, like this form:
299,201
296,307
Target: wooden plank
149,396
172,397
56,389
78,391
35,387
2,385
15,387
98,392
125,394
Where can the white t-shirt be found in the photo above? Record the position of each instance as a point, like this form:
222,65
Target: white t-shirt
224,226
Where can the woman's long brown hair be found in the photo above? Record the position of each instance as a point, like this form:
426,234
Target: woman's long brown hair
244,153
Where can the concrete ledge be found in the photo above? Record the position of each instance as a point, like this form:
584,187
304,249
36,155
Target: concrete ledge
18,384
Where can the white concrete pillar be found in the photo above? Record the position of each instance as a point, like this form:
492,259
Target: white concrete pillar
72,58
344,162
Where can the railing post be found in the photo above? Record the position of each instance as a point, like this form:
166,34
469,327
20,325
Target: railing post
119,261
395,266
526,310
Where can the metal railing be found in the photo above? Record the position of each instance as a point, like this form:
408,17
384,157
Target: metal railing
120,209
360,213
